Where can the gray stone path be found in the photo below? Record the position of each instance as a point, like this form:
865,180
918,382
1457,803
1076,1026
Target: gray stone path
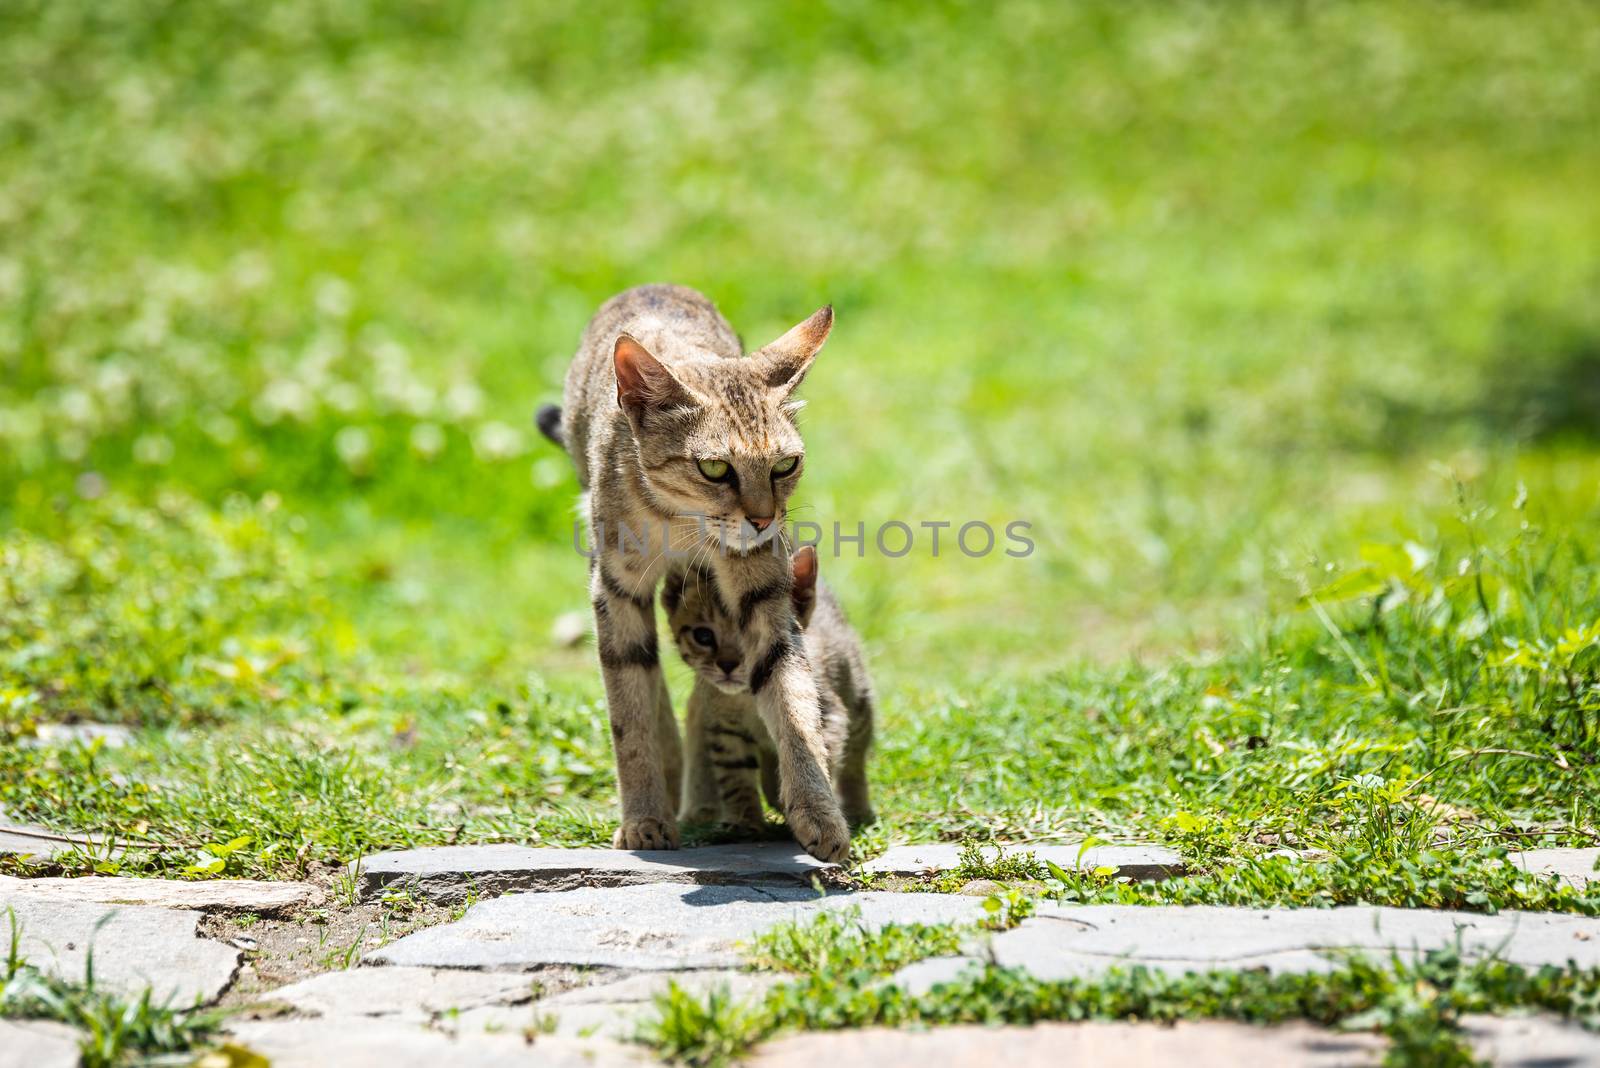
1531,1041
652,927
1187,1044
1064,941
20,838
453,872
37,1044
1575,866
387,1043
134,947
615,1010
474,990
212,895
1131,861
409,993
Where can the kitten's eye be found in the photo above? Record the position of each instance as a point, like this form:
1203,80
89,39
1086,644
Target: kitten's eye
704,636
715,470
785,465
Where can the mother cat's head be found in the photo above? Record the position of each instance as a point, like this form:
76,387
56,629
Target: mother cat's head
717,436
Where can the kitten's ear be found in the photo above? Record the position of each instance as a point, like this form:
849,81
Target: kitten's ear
643,382
785,361
804,590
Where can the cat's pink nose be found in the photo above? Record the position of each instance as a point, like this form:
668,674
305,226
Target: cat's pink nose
760,524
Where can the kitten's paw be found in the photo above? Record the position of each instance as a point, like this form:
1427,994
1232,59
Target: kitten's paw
821,831
645,832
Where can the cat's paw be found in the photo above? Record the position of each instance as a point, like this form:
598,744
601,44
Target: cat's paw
645,832
821,830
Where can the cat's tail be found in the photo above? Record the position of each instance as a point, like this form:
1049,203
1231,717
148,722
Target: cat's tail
549,421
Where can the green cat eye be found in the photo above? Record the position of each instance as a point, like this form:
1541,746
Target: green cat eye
715,470
785,465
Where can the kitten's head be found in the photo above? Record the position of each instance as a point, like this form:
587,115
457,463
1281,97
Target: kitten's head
717,437
707,634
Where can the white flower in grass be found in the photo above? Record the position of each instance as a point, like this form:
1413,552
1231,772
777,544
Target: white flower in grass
427,440
463,400
495,442
153,449
354,446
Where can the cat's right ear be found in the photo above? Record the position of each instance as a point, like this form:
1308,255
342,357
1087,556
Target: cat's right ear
804,591
643,382
785,362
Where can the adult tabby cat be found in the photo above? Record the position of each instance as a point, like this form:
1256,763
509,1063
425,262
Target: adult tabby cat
727,742
687,448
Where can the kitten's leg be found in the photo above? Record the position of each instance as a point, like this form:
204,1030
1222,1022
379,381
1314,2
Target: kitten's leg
852,775
667,739
701,801
625,626
732,749
771,789
786,698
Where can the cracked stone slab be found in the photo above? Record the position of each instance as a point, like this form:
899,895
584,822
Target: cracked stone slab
1574,866
414,993
37,1044
1065,941
615,1010
22,839
377,1042
1531,1041
1190,1044
220,895
134,947
453,872
1143,862
644,928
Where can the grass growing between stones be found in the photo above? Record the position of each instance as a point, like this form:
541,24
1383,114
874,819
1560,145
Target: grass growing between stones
114,1030
843,972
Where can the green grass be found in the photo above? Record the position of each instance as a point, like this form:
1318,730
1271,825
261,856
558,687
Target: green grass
1417,1005
841,971
1278,323
113,1029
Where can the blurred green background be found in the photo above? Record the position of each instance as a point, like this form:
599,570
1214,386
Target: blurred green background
1211,294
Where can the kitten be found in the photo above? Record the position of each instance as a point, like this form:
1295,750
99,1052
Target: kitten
725,736
682,445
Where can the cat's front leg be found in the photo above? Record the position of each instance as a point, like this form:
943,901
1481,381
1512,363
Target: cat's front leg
625,629
787,701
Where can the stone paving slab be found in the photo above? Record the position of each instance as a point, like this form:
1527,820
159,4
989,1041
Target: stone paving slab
1065,941
1187,1044
216,895
37,1044
111,735
1575,866
414,993
653,927
135,948
615,1010
19,838
367,1042
1144,862
1531,1041
452,872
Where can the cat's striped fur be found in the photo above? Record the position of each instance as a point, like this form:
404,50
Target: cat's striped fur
657,386
725,738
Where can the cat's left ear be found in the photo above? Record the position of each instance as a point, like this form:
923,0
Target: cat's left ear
785,362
